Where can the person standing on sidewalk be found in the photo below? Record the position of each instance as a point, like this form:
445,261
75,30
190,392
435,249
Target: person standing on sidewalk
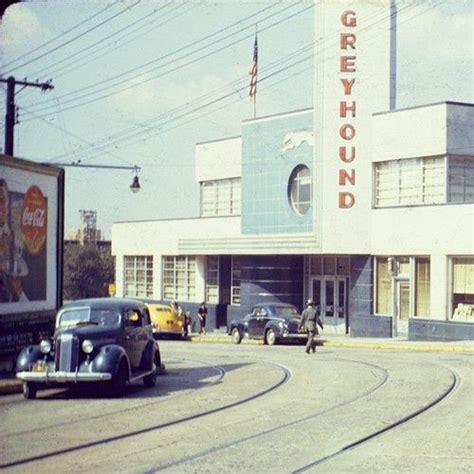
309,322
202,313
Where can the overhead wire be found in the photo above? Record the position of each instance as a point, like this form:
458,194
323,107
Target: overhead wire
234,92
121,12
71,57
43,104
58,36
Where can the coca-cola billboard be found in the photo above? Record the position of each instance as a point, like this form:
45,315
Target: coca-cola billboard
23,239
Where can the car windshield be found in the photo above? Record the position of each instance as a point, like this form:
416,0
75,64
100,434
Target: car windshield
99,317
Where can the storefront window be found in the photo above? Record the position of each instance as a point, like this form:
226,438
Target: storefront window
138,278
463,288
179,278
212,279
383,287
422,286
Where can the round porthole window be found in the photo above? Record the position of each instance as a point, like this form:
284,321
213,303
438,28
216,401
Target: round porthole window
299,189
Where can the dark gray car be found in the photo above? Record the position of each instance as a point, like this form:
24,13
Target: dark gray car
271,322
106,340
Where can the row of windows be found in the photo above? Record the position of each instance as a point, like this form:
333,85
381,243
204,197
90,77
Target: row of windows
414,275
179,281
179,278
405,182
424,181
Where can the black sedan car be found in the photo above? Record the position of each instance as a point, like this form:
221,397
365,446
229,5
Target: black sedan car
103,340
268,321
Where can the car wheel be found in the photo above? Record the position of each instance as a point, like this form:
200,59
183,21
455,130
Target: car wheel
150,380
270,337
236,337
29,390
119,382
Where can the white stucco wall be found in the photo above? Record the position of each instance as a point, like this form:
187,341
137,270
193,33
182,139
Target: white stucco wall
158,238
219,159
366,61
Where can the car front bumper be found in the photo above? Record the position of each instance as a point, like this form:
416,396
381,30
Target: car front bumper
294,335
63,377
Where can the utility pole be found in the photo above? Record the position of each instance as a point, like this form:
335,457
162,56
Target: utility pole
10,117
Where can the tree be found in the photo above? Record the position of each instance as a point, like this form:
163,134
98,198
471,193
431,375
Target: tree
87,271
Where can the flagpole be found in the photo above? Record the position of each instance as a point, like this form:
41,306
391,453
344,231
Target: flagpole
256,73
253,75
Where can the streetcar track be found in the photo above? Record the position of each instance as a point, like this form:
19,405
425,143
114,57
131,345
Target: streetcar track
284,379
305,419
396,424
125,410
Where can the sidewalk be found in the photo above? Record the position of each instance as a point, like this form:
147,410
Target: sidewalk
9,384
395,344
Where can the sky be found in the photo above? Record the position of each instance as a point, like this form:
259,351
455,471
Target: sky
137,83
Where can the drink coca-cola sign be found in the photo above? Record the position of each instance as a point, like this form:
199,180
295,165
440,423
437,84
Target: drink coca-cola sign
34,220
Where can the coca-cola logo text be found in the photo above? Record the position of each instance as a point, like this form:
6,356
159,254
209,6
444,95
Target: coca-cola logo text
34,220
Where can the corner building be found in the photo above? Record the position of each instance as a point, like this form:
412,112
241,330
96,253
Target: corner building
366,208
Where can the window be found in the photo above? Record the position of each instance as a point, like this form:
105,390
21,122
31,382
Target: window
138,281
212,279
461,179
383,287
329,265
179,278
235,285
422,286
299,189
462,297
220,197
417,181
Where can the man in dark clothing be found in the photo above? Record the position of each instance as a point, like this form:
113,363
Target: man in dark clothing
309,322
202,313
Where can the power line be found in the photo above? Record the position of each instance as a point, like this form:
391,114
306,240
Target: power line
234,92
58,36
167,55
121,12
100,41
166,64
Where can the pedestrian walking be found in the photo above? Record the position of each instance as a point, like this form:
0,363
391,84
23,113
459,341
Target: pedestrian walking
202,314
309,323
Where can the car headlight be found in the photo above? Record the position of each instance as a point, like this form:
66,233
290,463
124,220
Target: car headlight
87,346
45,346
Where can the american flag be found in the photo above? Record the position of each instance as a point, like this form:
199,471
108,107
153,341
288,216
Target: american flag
253,71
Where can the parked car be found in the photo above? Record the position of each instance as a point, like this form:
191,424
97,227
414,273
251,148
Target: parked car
104,340
166,320
271,322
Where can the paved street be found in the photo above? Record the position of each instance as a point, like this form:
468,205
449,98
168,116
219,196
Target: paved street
253,408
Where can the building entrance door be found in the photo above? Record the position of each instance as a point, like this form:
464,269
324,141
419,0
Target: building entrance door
401,307
330,296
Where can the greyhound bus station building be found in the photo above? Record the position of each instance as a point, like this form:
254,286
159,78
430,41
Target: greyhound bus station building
363,207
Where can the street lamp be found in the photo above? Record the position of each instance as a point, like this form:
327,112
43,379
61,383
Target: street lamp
134,187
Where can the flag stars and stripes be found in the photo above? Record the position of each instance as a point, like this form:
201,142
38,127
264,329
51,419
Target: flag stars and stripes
253,71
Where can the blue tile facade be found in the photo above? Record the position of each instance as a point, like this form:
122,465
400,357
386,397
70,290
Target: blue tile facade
266,170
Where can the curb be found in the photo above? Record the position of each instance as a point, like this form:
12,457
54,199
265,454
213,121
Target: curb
8,387
395,346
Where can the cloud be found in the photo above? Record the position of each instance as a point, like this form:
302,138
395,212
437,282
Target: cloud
19,30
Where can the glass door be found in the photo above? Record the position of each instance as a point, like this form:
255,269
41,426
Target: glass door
330,296
402,307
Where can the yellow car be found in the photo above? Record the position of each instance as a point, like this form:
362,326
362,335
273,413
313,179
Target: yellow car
166,321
